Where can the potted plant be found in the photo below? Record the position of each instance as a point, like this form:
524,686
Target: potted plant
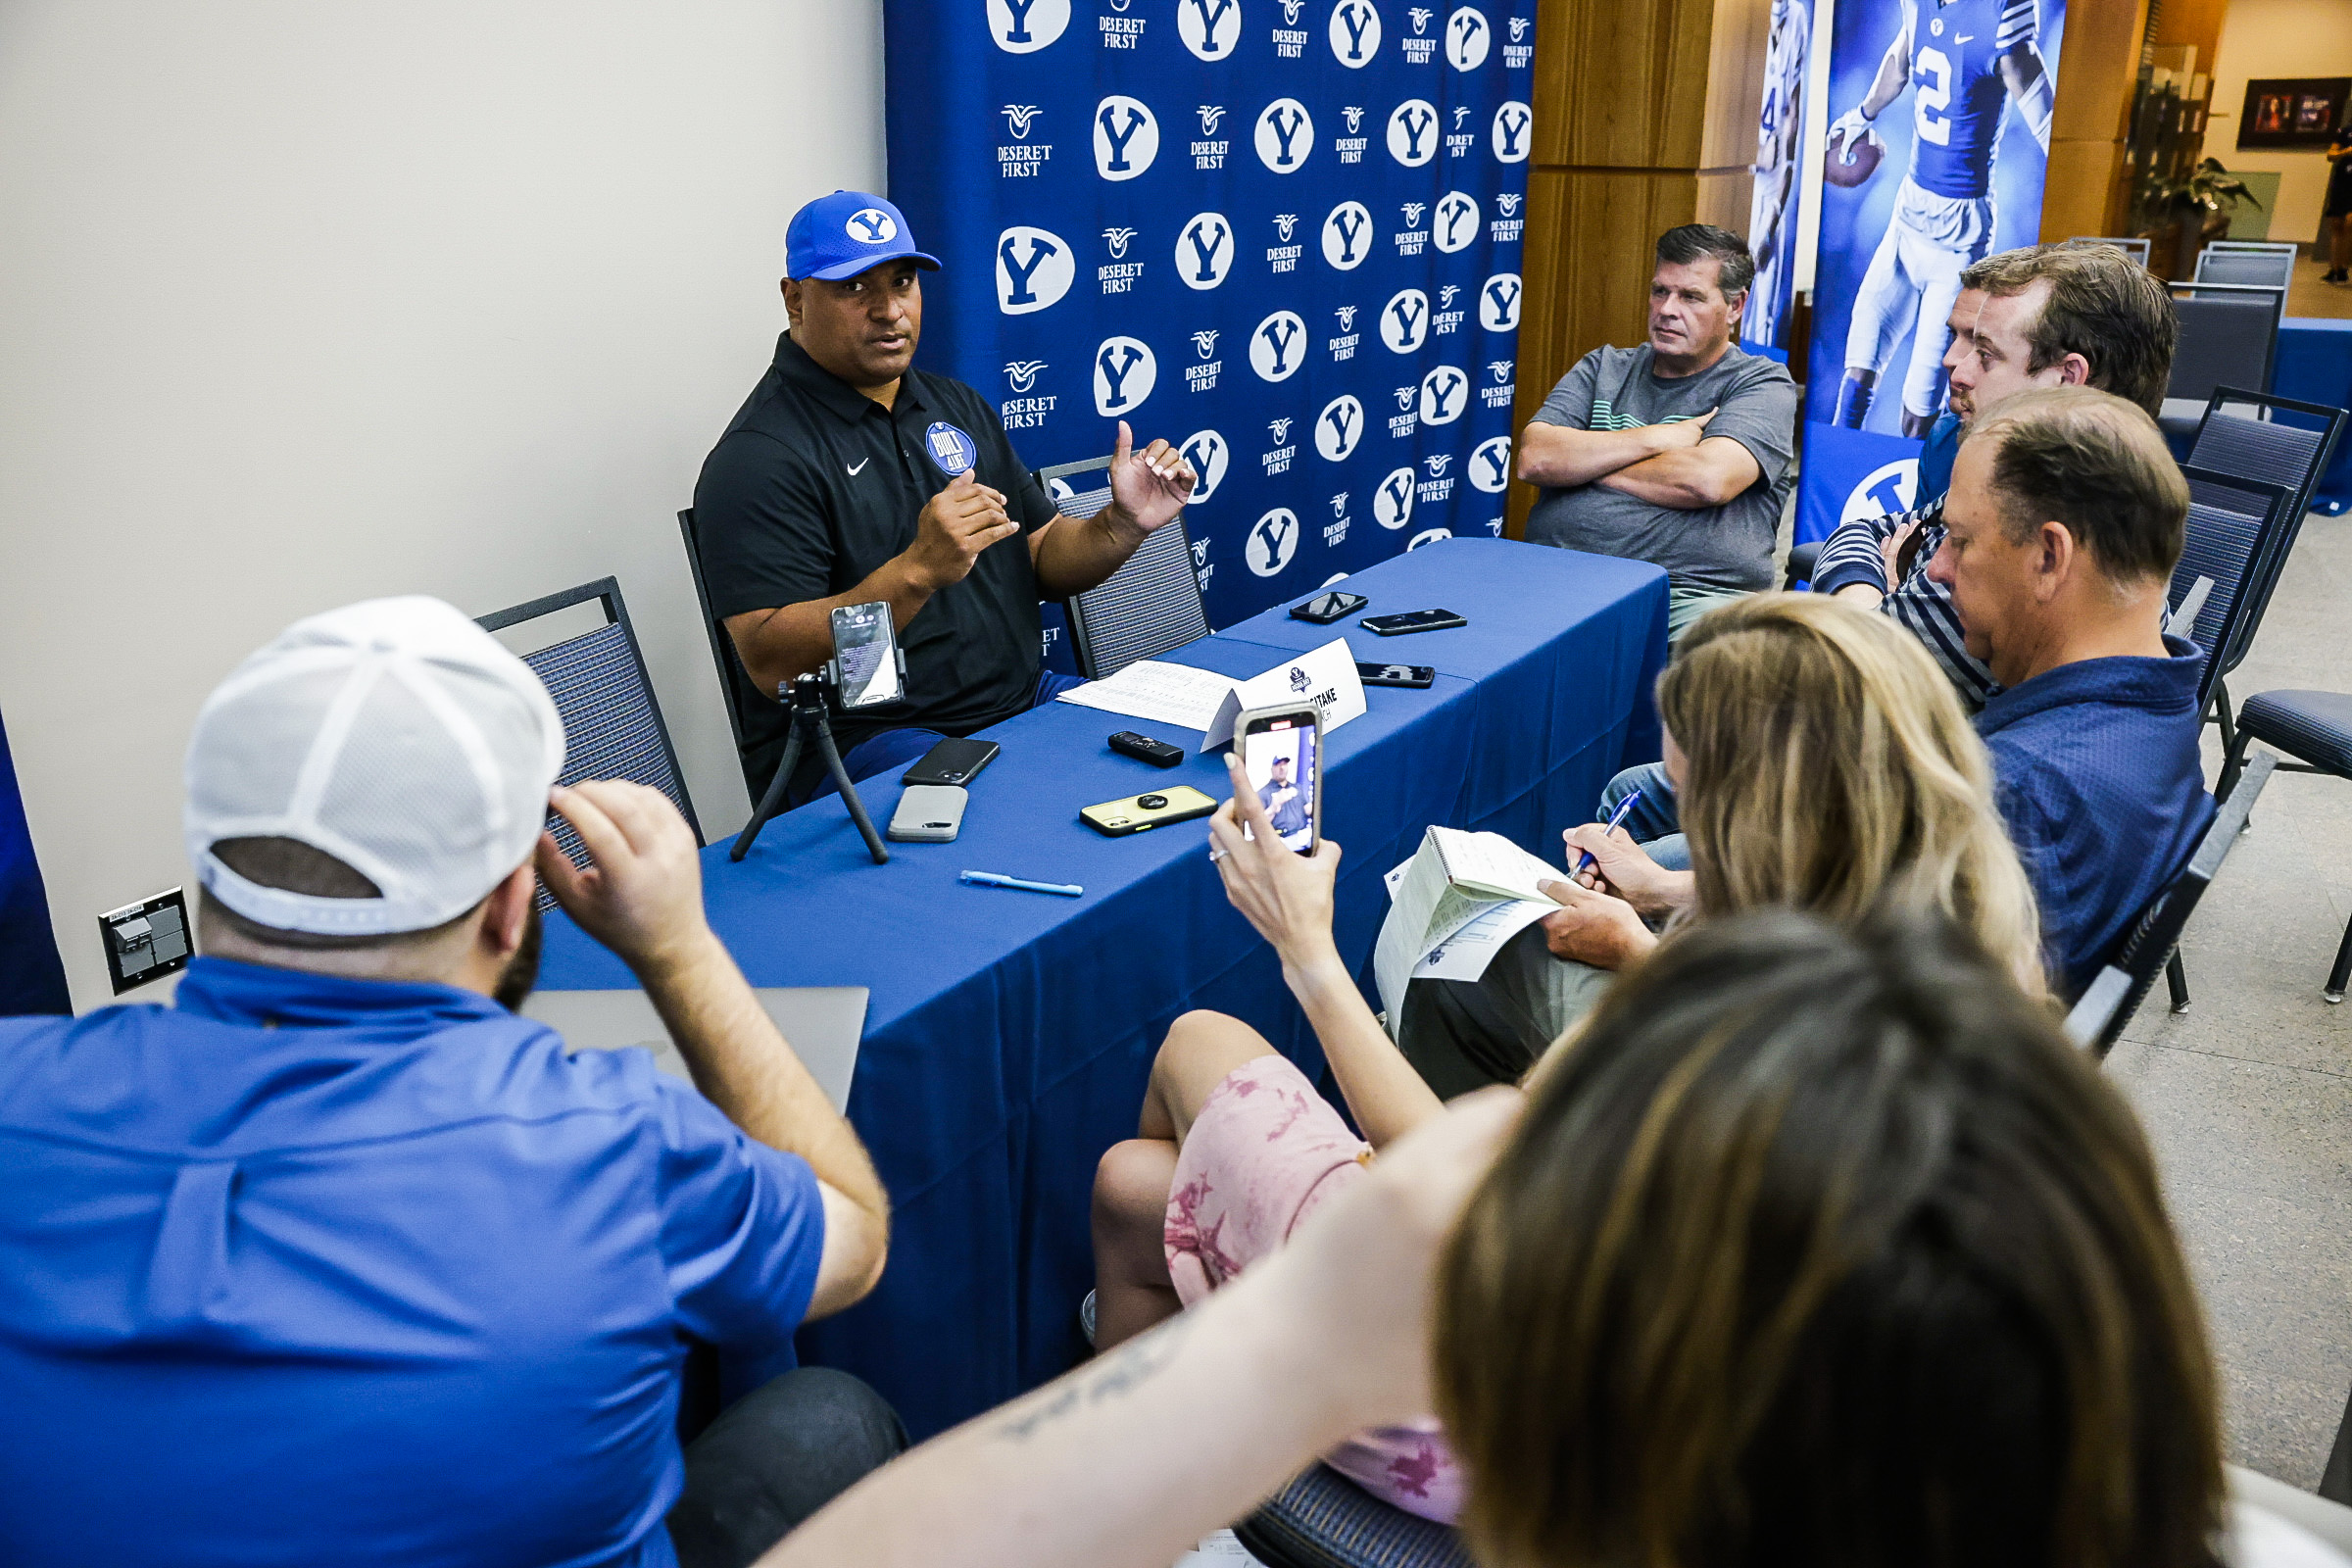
2199,204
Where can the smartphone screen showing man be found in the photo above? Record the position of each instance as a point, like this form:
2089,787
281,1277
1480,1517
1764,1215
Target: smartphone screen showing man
868,648
1282,753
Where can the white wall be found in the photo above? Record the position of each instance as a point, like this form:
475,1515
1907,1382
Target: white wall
2265,38
310,301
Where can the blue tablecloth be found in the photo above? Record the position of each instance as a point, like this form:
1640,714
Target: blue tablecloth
2315,366
1008,1035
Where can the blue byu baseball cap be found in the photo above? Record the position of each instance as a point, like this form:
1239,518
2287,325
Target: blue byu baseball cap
843,234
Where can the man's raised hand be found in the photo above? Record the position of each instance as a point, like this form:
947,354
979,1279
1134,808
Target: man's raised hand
642,893
1147,488
955,525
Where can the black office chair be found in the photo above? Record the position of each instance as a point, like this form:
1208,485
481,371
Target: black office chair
2232,526
2136,249
2146,951
1146,607
1324,1520
2315,729
2229,338
723,649
611,722
1801,560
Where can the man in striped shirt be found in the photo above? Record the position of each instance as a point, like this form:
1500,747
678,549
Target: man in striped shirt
2044,315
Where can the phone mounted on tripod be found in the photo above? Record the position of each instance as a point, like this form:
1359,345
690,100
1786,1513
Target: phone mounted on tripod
867,669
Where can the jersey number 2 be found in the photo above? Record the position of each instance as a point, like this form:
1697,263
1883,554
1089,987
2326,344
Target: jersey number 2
1933,81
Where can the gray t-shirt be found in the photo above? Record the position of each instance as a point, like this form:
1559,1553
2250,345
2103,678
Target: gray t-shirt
1726,547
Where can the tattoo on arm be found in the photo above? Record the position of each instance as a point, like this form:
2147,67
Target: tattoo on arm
1132,1366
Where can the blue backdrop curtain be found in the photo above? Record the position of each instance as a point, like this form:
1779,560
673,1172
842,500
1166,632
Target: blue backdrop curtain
31,979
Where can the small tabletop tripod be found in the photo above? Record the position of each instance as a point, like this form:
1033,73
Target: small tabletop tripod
807,700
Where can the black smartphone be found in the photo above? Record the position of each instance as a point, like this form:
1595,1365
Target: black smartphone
953,762
1412,621
1324,609
868,652
1415,675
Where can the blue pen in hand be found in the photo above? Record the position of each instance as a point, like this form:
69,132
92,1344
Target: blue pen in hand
998,879
1624,810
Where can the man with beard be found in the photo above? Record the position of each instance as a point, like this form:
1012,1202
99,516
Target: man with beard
336,1258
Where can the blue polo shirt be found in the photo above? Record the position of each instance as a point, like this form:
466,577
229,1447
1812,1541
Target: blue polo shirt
2099,778
304,1270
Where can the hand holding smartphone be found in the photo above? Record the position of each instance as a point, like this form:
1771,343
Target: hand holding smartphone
1282,755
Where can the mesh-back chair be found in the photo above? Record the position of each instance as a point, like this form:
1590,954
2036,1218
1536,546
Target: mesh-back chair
2269,269
2135,248
2316,730
2233,522
1146,607
2147,950
2280,441
2227,339
611,722
2252,247
1324,1520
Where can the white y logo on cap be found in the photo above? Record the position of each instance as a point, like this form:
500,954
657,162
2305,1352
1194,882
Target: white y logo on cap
871,225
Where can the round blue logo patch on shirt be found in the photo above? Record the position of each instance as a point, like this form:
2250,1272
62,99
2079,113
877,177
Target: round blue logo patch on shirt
954,452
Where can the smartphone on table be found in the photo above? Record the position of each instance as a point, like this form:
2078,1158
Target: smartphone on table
1414,675
866,649
1140,814
1282,752
1412,621
1324,609
951,762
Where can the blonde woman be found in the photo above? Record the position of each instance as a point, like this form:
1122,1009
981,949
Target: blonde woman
1872,788
1822,763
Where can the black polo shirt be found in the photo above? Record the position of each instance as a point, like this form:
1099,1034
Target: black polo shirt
814,486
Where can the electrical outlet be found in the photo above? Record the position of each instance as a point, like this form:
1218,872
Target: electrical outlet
146,941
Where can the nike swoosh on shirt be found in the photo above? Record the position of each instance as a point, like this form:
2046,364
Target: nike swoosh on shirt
862,462
1959,39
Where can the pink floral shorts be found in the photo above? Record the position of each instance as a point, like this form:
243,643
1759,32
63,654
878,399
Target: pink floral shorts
1266,1151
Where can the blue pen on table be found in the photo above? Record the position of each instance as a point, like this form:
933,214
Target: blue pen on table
998,879
1624,809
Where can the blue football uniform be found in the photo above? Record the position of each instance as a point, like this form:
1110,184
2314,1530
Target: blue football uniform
1944,211
1958,101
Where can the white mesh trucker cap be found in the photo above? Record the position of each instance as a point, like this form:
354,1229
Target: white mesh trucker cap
395,735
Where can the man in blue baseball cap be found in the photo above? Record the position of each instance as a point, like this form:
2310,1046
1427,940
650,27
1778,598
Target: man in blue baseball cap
850,478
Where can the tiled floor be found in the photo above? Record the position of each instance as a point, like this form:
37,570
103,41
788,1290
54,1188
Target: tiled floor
2306,295
2248,1095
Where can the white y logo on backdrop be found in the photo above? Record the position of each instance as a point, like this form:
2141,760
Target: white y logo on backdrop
1393,501
1458,221
1510,133
1405,321
1124,373
1205,250
1286,135
1410,126
1270,346
1272,542
1354,33
1499,303
1025,26
1126,137
1444,394
1034,269
1207,452
1203,25
1466,39
1348,223
1339,427
1490,465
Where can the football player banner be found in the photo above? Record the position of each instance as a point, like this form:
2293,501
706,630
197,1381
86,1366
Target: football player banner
1934,158
1773,205
1283,234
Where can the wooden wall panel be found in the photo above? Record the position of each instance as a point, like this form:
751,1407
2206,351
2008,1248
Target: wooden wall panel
1622,86
2097,73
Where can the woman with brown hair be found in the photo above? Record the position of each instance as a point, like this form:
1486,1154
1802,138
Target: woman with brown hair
1822,1246
1823,763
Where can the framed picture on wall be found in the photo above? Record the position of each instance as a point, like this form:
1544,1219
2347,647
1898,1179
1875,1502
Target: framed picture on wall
2293,111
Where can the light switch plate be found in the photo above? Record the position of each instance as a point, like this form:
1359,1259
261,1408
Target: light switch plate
146,941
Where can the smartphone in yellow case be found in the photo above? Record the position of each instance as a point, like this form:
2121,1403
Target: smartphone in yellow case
1140,813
